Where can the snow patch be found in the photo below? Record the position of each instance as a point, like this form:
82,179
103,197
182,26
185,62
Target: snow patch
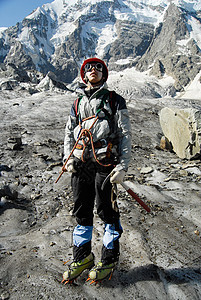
62,33
35,13
196,30
140,12
125,61
107,35
193,90
189,5
2,29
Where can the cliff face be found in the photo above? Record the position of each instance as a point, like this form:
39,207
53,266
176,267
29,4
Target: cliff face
172,49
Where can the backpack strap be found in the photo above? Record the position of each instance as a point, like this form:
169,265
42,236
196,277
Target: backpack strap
111,100
77,105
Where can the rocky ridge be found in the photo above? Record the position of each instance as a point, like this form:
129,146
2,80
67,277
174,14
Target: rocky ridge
169,56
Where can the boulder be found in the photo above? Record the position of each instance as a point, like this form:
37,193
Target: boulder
9,192
182,128
8,85
14,143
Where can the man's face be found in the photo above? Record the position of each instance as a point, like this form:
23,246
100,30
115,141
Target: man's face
94,72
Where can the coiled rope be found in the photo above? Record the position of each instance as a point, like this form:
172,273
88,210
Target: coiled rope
87,134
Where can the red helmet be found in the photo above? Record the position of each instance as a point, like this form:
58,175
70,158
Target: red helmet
90,60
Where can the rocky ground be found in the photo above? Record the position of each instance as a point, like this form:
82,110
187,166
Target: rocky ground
160,251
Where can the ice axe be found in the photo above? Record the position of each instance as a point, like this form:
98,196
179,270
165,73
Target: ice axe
129,191
135,196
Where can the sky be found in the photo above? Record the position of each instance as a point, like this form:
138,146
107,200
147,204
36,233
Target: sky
13,11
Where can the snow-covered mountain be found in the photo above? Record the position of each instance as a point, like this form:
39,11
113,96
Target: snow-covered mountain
162,36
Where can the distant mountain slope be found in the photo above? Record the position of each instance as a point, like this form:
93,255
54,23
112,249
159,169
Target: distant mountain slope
161,36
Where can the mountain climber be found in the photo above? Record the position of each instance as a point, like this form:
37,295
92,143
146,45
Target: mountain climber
98,128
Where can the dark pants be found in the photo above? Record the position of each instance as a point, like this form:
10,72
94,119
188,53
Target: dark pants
86,185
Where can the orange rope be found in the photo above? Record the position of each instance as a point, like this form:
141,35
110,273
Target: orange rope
87,133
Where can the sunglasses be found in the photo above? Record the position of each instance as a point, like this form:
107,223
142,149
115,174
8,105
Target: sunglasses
98,66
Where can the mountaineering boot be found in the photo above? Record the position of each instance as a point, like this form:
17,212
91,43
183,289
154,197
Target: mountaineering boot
101,271
76,268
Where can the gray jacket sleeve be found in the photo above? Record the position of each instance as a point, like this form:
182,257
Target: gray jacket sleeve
124,135
69,137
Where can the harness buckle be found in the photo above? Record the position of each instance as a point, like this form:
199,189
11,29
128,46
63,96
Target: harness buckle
103,142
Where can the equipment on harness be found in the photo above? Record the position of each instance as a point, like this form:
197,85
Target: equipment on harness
99,144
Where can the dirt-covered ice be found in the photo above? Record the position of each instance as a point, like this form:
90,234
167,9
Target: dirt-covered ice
160,251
